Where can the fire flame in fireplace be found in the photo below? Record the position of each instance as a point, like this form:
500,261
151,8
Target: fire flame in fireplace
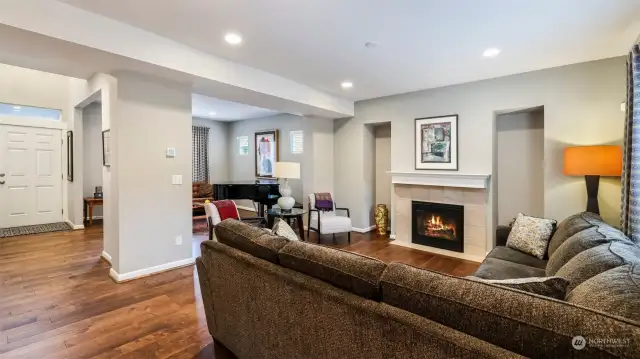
435,226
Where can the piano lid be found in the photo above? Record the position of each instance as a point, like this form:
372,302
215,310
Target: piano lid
249,182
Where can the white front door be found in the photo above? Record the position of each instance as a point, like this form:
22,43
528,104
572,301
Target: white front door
30,176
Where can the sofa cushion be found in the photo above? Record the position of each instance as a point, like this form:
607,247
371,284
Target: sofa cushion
494,268
570,226
581,241
353,272
552,287
596,260
531,235
616,291
253,240
528,324
515,256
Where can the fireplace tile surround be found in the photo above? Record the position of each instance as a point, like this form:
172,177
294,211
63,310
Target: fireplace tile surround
472,198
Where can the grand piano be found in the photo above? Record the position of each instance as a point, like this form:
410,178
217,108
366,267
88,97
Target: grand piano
263,191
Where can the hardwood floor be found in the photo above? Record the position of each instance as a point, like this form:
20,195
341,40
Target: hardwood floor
57,300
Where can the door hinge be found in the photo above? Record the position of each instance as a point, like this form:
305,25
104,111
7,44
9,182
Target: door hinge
62,211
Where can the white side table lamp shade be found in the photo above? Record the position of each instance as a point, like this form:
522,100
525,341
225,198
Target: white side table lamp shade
286,170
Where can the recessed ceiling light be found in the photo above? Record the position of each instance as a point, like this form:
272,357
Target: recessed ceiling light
347,84
233,38
17,108
212,113
491,52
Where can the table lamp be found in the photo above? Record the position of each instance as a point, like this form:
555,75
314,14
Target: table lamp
286,170
593,162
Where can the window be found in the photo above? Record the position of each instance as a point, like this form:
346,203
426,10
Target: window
200,148
7,109
296,141
243,145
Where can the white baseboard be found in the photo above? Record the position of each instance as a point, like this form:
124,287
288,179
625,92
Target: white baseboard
74,226
106,257
363,230
148,271
250,209
96,217
392,236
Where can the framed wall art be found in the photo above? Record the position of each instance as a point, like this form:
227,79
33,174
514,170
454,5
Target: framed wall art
267,153
436,143
106,148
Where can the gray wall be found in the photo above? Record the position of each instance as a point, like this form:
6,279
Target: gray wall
152,116
383,164
218,148
520,156
242,168
92,152
582,106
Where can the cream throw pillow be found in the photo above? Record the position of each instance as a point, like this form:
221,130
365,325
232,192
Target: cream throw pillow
281,228
531,235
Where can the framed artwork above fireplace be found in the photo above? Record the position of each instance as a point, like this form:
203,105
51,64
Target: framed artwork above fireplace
436,143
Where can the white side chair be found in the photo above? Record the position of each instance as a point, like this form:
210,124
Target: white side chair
213,218
328,222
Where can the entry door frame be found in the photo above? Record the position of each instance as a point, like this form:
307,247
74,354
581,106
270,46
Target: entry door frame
38,122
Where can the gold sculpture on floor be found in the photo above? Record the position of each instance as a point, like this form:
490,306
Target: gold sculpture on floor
382,218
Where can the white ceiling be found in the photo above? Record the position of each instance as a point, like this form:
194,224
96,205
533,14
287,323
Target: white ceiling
221,110
422,43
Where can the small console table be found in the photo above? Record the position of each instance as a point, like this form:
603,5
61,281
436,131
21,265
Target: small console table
89,202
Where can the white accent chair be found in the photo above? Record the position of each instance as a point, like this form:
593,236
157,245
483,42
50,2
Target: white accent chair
213,219
328,222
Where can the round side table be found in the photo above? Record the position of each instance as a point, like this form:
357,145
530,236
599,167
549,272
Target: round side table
287,215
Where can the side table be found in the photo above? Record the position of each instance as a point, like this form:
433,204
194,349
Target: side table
296,214
89,202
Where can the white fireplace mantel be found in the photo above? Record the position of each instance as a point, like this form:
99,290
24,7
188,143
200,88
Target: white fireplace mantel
444,179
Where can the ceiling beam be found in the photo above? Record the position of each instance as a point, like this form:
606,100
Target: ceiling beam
112,45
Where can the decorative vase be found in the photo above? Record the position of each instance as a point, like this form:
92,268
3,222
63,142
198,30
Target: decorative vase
382,218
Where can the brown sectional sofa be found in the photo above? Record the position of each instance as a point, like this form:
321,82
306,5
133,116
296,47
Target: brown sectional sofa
266,297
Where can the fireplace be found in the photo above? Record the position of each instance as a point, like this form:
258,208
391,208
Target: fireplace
438,225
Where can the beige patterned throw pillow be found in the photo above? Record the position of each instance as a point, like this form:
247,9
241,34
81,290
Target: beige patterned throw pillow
531,235
281,228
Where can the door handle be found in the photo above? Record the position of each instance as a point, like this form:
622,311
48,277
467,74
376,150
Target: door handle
1,182
1,174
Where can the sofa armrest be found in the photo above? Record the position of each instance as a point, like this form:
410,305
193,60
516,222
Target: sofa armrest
207,299
502,233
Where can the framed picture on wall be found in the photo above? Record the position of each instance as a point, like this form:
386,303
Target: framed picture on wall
106,148
267,153
436,143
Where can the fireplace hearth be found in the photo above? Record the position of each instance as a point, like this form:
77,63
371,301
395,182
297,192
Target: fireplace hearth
438,225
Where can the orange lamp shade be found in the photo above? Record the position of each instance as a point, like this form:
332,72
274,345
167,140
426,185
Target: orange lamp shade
593,161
